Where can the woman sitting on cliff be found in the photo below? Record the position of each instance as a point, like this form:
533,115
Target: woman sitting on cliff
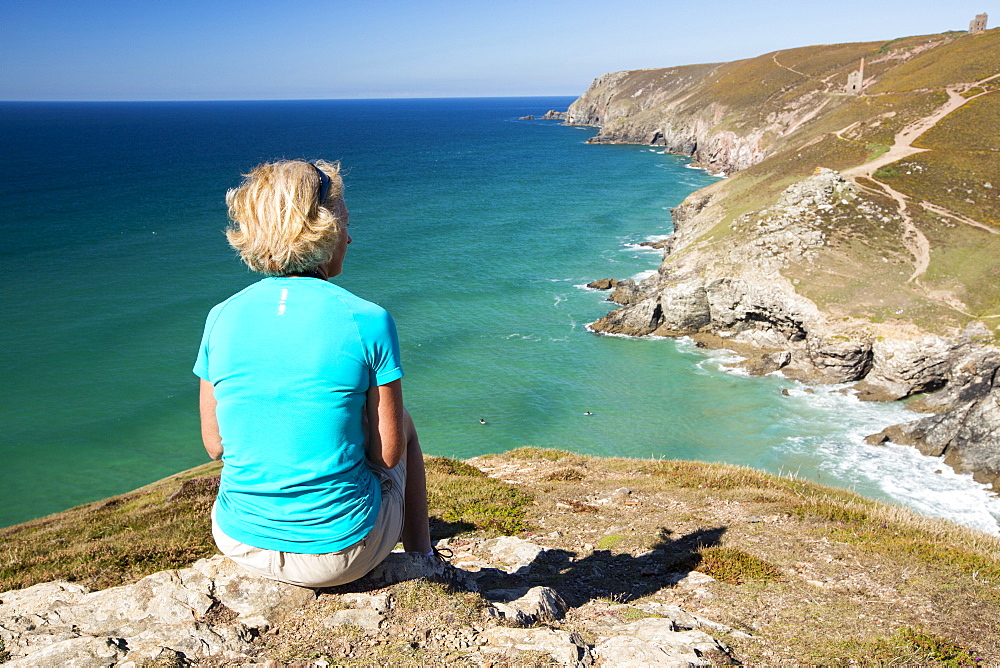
301,396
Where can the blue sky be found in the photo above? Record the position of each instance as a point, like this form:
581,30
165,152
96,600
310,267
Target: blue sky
304,49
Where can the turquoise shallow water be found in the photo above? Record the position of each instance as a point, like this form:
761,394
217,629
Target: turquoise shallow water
476,230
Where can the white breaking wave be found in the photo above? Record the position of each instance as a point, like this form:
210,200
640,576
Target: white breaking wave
833,423
642,249
648,337
901,473
720,175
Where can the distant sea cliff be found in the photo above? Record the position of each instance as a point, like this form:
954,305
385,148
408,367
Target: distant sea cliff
858,238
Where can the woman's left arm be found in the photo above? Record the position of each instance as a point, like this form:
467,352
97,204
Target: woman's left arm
210,435
386,434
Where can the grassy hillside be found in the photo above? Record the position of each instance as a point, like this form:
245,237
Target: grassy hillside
793,102
815,575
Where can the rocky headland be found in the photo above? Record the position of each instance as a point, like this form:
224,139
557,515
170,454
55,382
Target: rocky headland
549,558
857,238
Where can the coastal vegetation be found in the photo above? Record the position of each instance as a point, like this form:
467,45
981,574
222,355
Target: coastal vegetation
857,236
787,570
799,572
782,115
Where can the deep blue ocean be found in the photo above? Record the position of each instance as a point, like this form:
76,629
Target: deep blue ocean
475,229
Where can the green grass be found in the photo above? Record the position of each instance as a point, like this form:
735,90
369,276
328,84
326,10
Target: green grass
964,261
471,501
167,525
609,542
908,646
876,150
846,516
697,513
449,466
964,59
935,648
118,540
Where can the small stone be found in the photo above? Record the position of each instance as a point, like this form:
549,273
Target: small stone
369,620
519,553
378,602
526,606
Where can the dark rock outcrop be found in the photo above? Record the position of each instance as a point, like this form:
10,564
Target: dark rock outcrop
602,284
967,432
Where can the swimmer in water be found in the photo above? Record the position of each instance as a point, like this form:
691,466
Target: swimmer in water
587,413
482,420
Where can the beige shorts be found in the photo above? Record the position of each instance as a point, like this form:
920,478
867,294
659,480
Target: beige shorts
333,568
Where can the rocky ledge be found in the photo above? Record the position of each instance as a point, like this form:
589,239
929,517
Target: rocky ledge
211,614
733,294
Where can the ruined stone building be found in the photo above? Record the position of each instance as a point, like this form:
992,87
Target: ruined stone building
856,80
978,25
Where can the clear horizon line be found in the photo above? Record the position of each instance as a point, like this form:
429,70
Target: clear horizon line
296,99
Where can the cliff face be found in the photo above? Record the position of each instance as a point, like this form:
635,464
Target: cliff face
656,107
872,272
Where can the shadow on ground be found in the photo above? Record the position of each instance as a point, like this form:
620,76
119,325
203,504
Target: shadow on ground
603,575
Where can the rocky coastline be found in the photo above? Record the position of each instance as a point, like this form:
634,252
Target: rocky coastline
806,261
738,299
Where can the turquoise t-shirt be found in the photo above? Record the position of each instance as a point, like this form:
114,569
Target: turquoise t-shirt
291,360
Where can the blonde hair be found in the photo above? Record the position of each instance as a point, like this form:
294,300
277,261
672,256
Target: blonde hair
279,225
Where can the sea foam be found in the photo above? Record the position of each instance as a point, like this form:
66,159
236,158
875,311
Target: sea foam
832,423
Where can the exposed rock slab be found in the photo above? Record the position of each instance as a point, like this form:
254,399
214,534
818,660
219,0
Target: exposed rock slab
65,624
212,613
565,648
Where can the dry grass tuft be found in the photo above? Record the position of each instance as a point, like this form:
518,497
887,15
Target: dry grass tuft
566,474
734,566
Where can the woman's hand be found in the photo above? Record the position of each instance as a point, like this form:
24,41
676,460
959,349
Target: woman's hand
386,431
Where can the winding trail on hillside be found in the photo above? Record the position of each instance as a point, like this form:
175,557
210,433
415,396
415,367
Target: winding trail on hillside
774,57
913,239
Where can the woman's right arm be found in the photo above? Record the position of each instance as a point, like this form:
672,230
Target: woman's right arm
386,433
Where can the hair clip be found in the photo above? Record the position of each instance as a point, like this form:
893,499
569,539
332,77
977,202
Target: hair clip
324,184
